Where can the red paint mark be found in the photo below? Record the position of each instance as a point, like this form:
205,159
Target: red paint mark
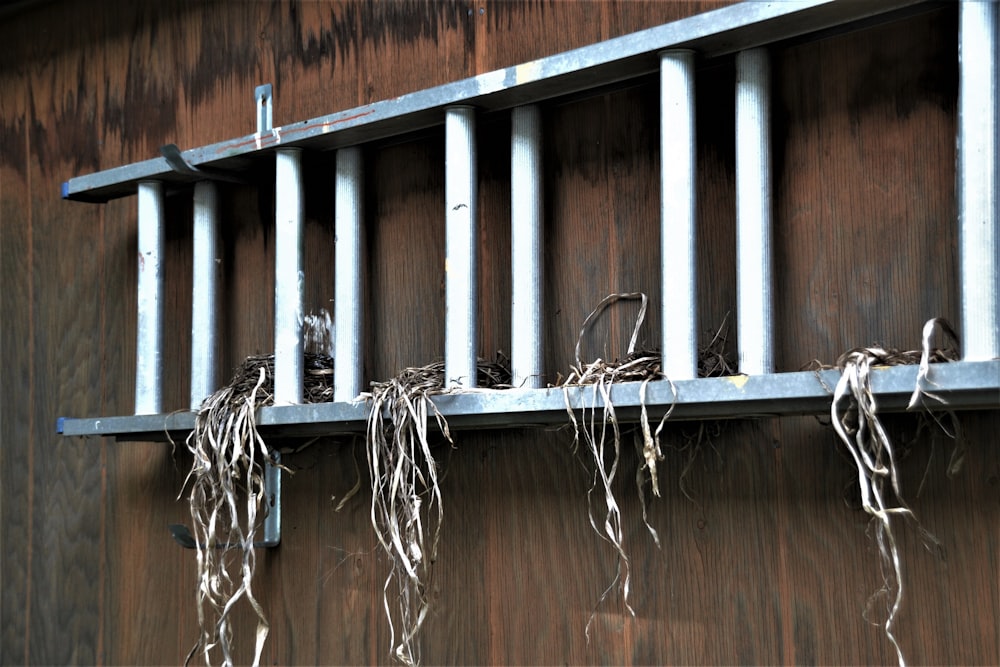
286,132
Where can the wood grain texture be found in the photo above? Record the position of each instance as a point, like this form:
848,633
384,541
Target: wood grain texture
602,204
406,281
860,213
53,509
16,417
66,489
762,561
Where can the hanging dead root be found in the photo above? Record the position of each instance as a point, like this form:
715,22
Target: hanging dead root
405,478
854,416
227,491
602,436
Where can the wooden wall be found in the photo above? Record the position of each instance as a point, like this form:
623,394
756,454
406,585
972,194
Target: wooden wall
765,563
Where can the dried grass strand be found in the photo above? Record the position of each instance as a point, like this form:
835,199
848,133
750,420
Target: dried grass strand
601,437
229,456
406,507
854,417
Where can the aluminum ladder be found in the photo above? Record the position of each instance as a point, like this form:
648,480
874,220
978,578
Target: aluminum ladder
670,50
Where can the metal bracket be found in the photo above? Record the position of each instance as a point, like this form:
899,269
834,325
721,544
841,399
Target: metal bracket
272,519
272,500
262,100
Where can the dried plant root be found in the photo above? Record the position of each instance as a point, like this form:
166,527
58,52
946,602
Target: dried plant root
406,510
854,416
227,494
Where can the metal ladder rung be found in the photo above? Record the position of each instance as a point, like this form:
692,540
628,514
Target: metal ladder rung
978,180
149,325
204,298
289,278
753,213
347,300
678,216
526,197
461,248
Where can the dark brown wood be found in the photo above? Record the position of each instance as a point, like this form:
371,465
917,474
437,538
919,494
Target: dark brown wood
861,216
762,560
17,418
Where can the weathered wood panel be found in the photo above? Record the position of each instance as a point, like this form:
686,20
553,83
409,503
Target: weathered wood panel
17,431
862,216
761,561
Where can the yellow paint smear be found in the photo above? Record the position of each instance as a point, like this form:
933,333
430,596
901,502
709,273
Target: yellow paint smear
738,380
527,72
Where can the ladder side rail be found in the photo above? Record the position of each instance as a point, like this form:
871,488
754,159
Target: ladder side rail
725,30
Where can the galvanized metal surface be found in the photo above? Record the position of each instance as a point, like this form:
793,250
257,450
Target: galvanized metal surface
461,343
149,325
979,180
272,513
263,102
754,275
204,301
717,32
678,216
272,496
526,211
288,276
347,300
963,385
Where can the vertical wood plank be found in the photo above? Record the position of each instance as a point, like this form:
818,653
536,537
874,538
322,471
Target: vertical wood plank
16,418
601,155
406,261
